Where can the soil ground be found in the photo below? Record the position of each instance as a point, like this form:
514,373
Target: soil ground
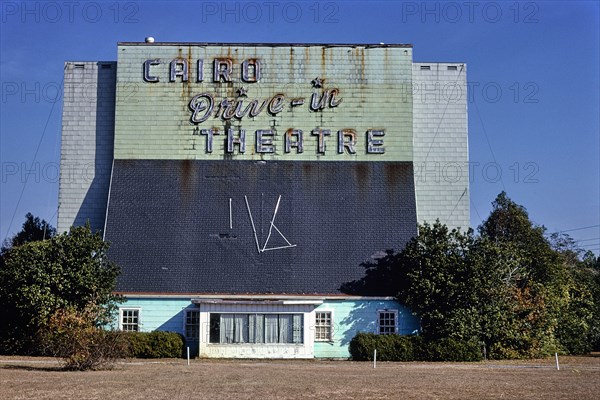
41,378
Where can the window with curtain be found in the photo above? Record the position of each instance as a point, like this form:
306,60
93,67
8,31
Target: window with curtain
256,328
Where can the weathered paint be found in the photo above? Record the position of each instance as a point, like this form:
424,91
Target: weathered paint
438,114
374,85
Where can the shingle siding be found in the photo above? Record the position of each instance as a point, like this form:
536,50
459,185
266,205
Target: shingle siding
88,128
440,144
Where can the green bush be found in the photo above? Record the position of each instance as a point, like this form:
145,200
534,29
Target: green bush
451,350
412,348
389,347
155,344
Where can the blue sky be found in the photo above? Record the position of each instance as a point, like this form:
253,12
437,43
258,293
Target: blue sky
533,72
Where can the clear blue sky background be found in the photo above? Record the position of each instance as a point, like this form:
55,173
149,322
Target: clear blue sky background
533,68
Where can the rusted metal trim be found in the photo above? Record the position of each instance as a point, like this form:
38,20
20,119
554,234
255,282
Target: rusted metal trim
203,44
329,296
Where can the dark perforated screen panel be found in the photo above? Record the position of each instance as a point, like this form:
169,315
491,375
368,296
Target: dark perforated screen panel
185,226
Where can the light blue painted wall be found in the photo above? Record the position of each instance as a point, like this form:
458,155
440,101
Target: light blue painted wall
351,317
160,314
163,315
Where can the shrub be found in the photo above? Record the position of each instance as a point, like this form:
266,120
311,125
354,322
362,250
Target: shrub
71,336
447,349
155,344
389,347
361,347
412,348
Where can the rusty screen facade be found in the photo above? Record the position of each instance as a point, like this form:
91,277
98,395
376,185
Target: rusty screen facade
258,179
259,169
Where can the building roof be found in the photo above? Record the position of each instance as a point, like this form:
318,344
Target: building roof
183,226
202,44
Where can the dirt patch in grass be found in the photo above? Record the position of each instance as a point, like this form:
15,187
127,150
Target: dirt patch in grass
33,378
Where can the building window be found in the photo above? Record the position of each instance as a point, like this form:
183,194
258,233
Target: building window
387,322
129,319
256,328
192,324
425,67
452,68
323,322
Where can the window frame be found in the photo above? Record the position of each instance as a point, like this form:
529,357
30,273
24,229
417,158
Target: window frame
139,319
186,312
329,339
379,326
296,333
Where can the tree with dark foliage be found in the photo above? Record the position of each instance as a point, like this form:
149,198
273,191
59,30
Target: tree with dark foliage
511,288
33,230
37,278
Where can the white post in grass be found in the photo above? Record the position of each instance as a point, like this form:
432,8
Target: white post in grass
374,358
557,366
188,355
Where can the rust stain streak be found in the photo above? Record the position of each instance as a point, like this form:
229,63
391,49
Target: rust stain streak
186,179
362,64
190,69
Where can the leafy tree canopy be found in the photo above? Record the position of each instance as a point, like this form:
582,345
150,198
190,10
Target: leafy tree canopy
33,230
511,288
70,270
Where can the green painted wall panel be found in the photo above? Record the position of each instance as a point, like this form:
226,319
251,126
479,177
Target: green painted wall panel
153,119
